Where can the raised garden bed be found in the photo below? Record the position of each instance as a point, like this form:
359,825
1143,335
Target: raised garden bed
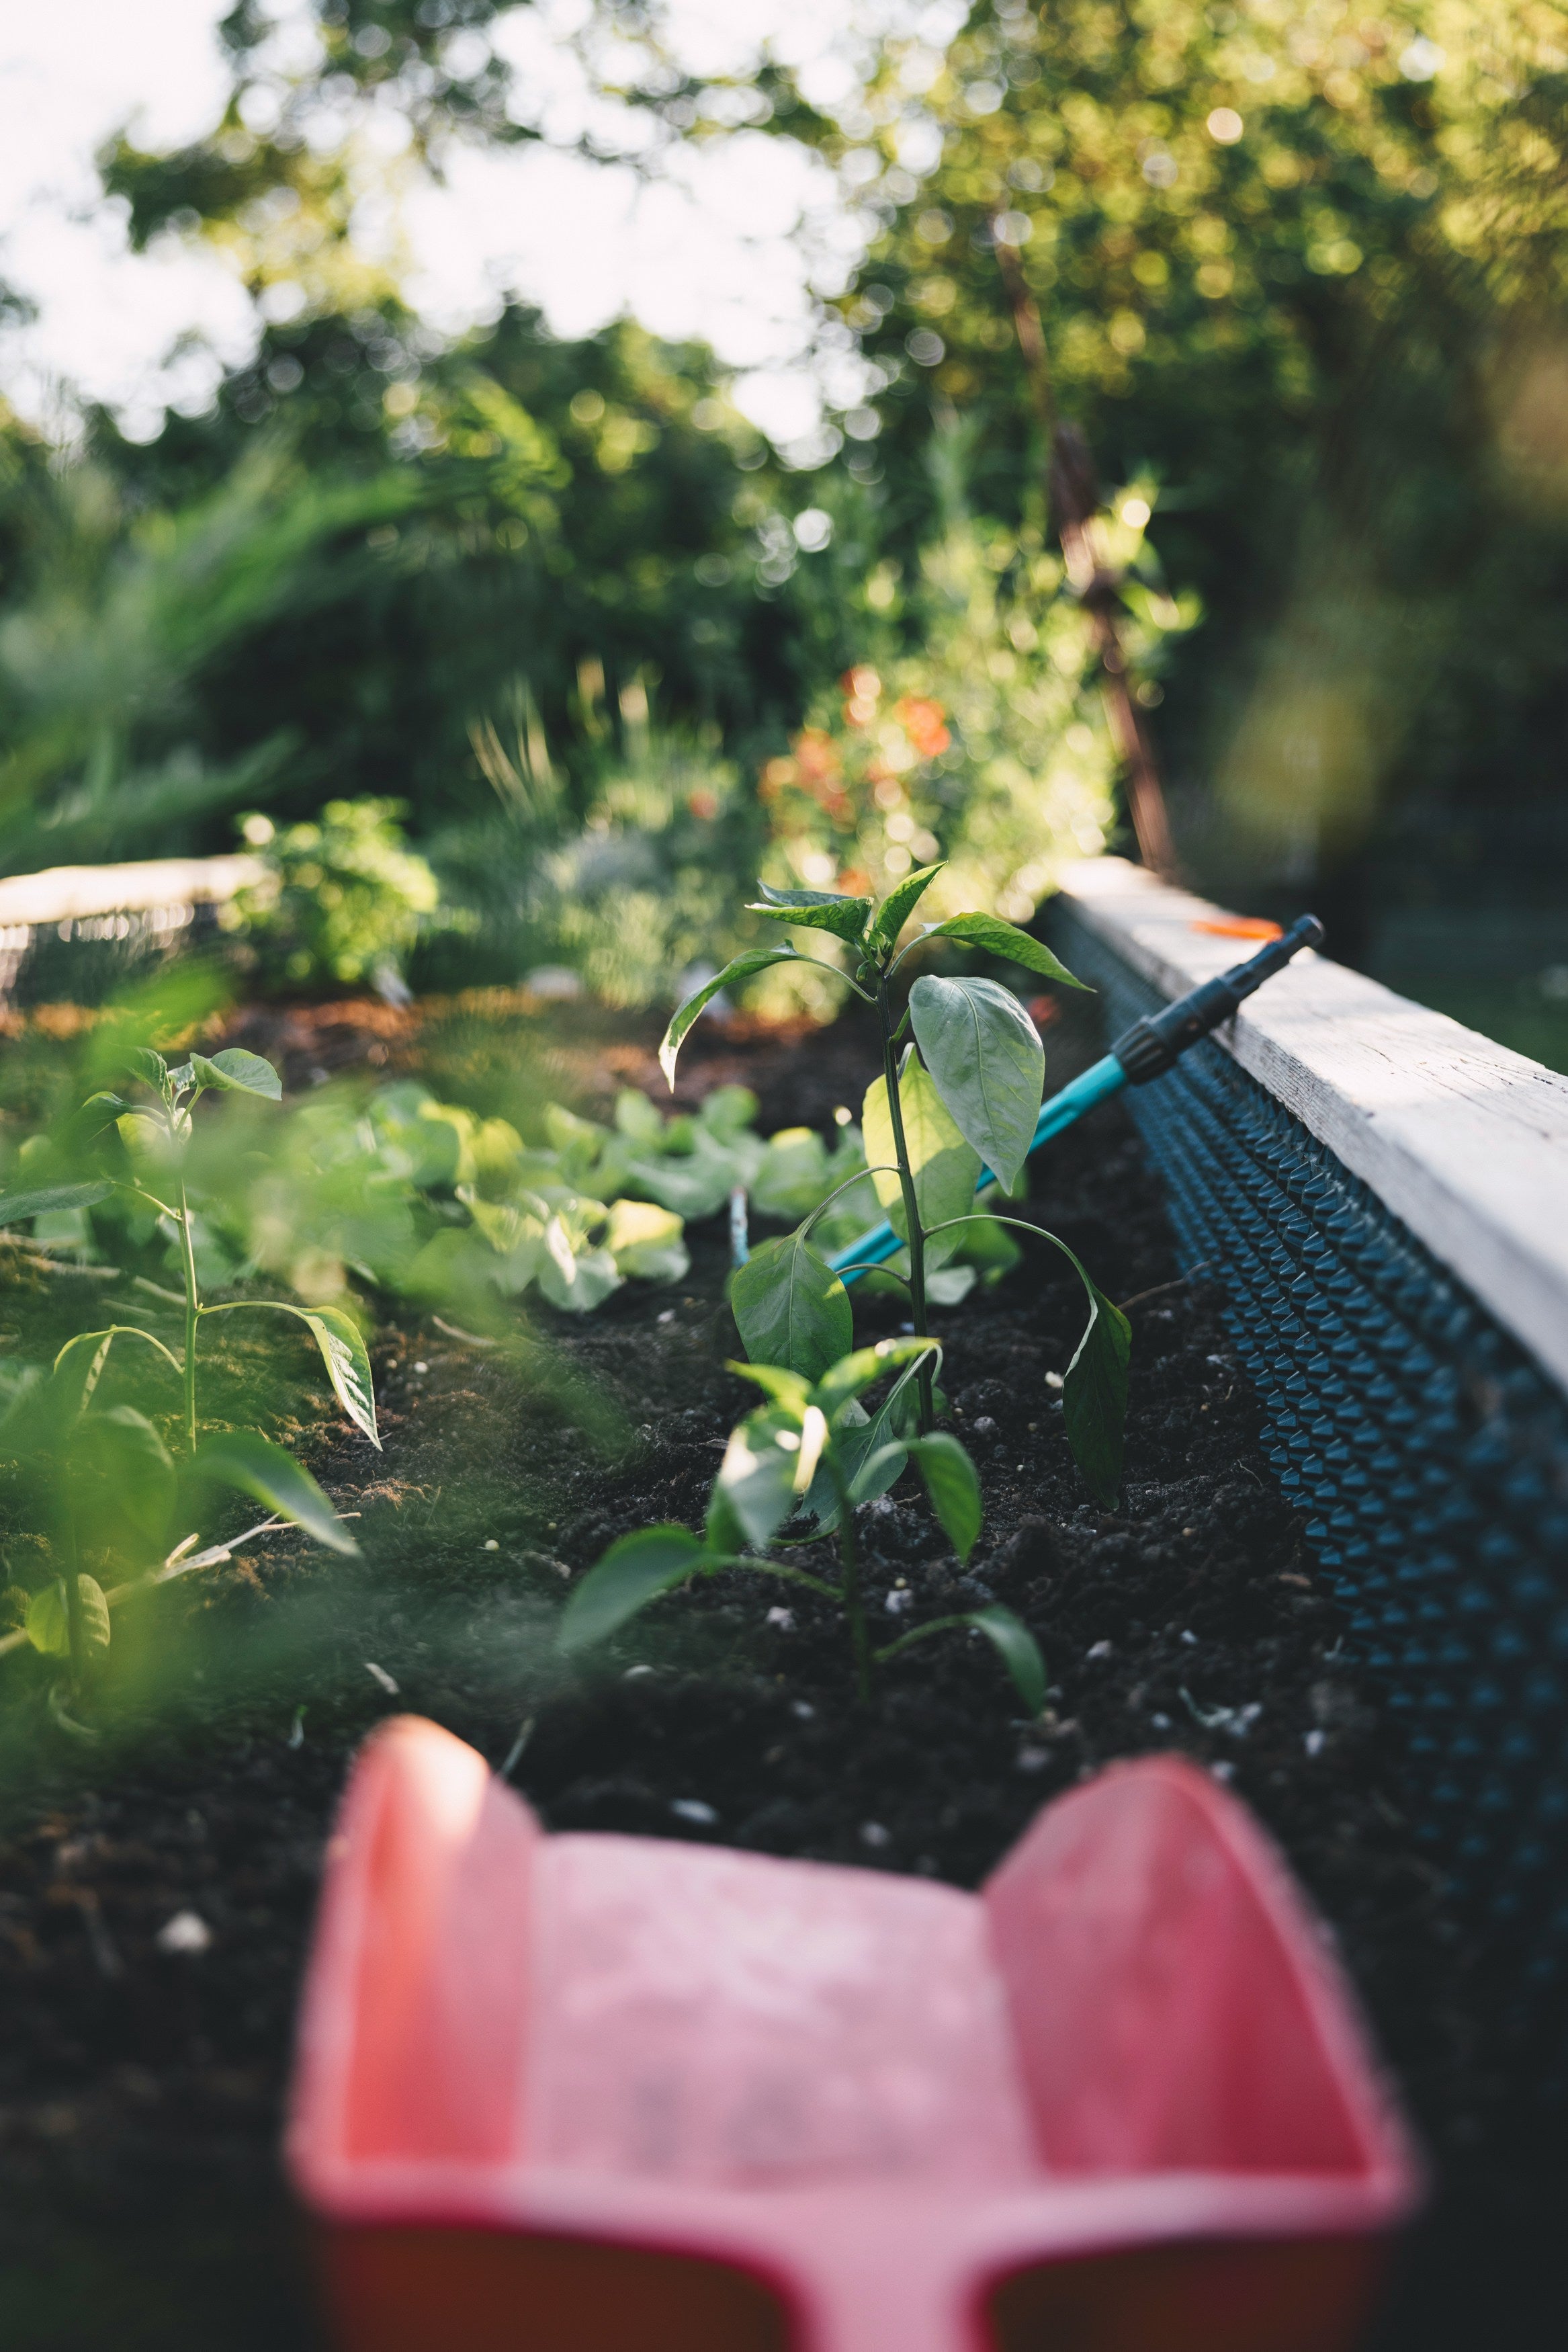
140,2092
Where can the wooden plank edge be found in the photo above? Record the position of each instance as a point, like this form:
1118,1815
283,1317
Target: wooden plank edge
1465,1140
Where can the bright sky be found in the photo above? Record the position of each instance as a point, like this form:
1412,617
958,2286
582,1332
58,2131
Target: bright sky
724,241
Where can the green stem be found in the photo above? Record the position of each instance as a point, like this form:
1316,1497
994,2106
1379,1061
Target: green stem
193,1308
76,1630
791,1575
922,1633
911,1204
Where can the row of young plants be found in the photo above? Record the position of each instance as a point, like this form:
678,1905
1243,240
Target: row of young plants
416,1199
958,1097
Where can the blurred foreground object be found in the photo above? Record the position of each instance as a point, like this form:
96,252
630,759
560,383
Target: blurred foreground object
1120,2097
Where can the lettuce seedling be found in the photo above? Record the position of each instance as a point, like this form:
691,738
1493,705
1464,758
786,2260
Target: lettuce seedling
813,1451
964,1095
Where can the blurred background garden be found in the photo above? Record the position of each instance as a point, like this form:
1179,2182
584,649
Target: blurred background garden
518,471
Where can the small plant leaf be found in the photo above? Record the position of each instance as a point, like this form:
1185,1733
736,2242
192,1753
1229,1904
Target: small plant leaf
985,1055
239,1073
647,1241
49,1199
121,1454
49,1619
254,1465
945,1167
954,1486
757,1476
1094,1396
898,906
151,1068
1019,1652
343,1352
1001,938
777,1381
744,967
818,911
853,1375
791,1308
633,1572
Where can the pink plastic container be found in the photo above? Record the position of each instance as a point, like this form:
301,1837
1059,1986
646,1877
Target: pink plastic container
596,2093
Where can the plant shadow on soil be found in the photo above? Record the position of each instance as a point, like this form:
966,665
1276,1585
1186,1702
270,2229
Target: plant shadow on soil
141,2089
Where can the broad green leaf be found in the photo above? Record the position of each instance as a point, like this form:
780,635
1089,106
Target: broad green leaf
49,1199
240,1073
1019,1652
899,905
791,1308
575,1280
1000,939
254,1465
818,911
151,1068
744,967
697,1184
85,1127
949,1284
727,1112
983,1054
636,1117
793,1176
757,1476
944,1166
646,1241
343,1352
954,1486
48,1621
633,1572
121,1454
1094,1396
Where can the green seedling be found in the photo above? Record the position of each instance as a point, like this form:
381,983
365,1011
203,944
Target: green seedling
105,1486
962,1095
813,1452
105,1474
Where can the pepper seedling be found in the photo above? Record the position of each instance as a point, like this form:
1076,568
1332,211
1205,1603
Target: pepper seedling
812,1450
965,1095
74,1448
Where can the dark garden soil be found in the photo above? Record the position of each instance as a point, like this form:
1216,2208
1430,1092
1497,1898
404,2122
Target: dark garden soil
140,2086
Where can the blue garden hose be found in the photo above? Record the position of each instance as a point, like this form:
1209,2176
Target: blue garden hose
1146,1051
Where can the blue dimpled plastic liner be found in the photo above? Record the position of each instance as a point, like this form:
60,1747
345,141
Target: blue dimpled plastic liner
1430,1454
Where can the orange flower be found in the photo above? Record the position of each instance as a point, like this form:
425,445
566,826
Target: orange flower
818,757
924,723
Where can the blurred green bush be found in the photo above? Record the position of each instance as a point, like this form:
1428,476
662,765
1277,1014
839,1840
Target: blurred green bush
342,901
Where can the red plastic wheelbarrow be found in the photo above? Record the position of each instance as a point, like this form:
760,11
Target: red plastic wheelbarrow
597,2094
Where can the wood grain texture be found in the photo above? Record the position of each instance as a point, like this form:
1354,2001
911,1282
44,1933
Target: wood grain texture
1465,1140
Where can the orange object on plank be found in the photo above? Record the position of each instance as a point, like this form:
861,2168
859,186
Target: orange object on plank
597,2094
1240,926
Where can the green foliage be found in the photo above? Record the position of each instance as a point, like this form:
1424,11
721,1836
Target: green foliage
968,1093
986,1064
810,1434
343,897
1302,275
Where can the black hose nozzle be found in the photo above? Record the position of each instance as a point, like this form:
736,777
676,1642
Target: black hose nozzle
1150,1046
